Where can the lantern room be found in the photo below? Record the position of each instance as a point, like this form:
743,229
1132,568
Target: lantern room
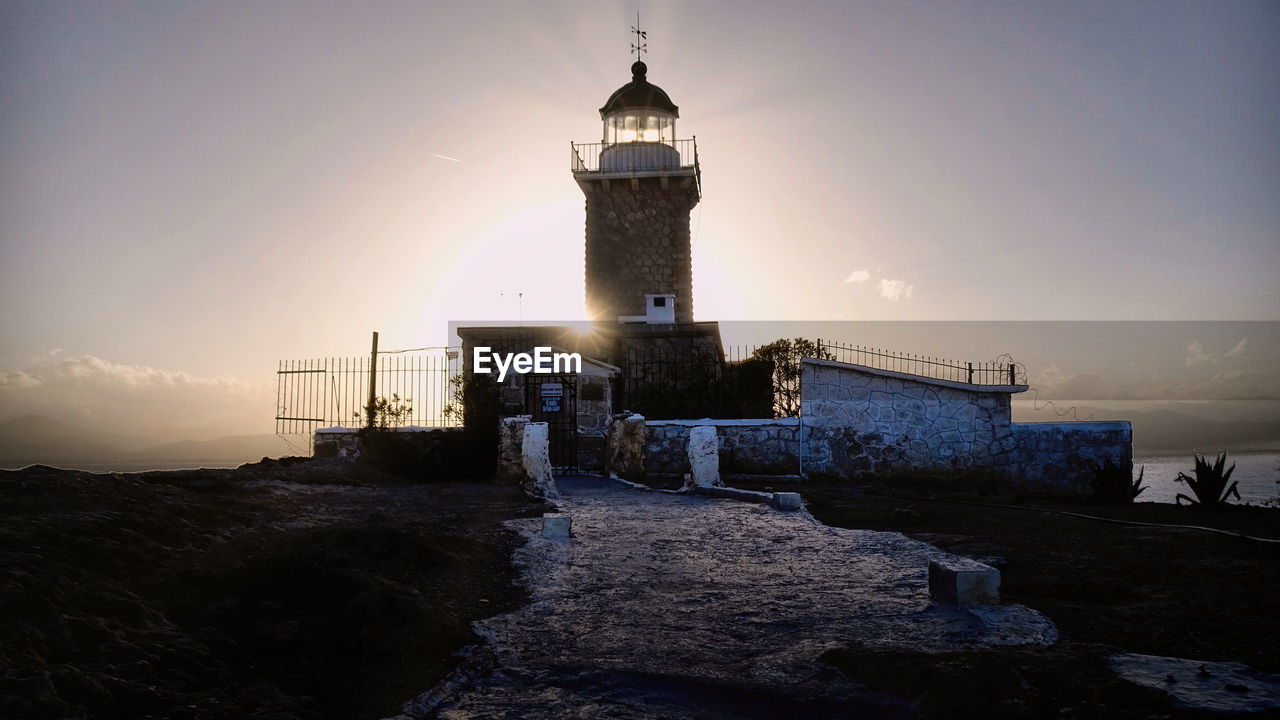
639,126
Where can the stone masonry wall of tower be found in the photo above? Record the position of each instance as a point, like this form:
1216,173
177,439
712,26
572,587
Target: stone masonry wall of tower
638,243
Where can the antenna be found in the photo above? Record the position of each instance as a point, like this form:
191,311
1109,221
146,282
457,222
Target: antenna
640,45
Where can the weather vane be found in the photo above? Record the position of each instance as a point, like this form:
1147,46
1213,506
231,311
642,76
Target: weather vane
639,46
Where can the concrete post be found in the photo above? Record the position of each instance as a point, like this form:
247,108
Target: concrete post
704,457
537,460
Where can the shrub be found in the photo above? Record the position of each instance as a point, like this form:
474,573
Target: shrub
785,355
1209,483
384,413
1114,484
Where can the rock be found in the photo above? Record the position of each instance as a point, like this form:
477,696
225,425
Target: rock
625,444
511,448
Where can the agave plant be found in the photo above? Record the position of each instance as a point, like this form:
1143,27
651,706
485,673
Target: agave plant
1209,483
1114,484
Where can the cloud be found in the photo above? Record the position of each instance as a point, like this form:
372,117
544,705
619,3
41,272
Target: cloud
17,378
88,369
1056,383
895,290
1240,348
1197,355
1240,384
138,400
858,276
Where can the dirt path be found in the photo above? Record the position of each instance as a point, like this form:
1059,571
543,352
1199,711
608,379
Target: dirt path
677,606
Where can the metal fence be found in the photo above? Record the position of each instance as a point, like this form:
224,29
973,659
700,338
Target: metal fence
694,383
328,392
982,373
672,155
745,383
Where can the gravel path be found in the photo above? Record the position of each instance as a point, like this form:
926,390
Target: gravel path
676,606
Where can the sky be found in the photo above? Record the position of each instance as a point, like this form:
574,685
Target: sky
192,192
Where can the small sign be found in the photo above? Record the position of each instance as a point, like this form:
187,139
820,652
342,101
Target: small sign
552,390
551,405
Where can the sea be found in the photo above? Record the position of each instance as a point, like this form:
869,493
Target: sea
1258,475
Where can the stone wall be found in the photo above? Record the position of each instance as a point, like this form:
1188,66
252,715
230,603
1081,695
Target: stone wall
637,243
1063,456
861,420
344,442
764,446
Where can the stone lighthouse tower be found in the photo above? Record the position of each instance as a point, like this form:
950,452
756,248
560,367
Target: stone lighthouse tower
640,184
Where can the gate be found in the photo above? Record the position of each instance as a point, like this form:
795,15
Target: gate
553,399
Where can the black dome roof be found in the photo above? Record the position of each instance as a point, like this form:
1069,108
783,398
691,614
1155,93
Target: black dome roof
639,93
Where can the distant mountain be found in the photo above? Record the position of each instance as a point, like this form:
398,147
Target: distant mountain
42,429
33,439
1169,430
1163,430
245,448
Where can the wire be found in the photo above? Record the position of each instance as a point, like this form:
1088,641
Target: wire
1020,374
296,449
1068,513
697,227
1054,406
433,347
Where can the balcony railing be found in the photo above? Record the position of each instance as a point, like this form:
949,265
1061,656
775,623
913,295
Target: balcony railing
634,157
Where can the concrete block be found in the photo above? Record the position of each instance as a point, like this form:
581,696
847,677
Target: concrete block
786,500
704,456
964,582
557,526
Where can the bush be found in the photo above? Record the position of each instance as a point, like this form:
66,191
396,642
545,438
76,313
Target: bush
1209,483
785,356
1114,484
384,413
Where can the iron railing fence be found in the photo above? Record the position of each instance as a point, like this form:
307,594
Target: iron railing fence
633,156
696,383
329,392
783,369
998,372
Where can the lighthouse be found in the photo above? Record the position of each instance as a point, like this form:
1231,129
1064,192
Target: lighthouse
640,183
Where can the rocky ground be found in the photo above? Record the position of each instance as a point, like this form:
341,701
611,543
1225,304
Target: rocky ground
1108,587
278,590
295,589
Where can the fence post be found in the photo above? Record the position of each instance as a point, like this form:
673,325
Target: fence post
1012,381
370,411
970,373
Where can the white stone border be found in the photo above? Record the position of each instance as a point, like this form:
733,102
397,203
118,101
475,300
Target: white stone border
338,430
1076,425
731,422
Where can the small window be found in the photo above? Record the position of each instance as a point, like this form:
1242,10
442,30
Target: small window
659,302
